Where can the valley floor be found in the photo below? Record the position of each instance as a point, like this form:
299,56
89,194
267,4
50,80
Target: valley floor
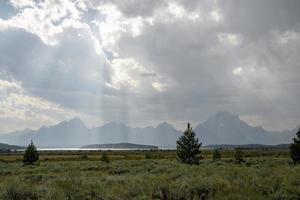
149,175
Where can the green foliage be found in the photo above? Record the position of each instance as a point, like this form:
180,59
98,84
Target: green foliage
188,147
31,155
105,158
18,191
84,157
295,148
268,177
217,155
239,156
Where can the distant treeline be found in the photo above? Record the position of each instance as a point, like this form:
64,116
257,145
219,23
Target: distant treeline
247,146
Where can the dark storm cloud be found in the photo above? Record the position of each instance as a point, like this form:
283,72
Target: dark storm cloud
191,55
195,57
257,18
67,73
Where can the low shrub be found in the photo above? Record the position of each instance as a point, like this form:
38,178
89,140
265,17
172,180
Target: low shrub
17,191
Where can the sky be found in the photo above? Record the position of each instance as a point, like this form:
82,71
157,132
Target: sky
142,62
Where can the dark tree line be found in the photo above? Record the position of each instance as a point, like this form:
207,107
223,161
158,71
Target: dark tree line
295,148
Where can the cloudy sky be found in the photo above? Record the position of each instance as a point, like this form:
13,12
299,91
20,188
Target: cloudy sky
142,62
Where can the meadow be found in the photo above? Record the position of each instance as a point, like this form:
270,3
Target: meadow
265,174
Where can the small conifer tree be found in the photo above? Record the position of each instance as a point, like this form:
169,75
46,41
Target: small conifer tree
239,154
217,155
188,147
295,148
104,157
31,155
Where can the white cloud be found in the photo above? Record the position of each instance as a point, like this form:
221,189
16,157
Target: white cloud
7,87
237,71
16,104
230,39
176,10
22,3
46,18
216,15
159,87
125,73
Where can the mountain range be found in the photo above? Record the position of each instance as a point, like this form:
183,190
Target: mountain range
222,128
7,147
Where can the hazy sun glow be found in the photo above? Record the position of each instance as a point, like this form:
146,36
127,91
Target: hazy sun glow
237,71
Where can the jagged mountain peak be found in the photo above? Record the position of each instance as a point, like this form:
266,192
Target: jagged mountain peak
222,118
42,128
165,125
225,115
75,121
221,128
114,124
227,128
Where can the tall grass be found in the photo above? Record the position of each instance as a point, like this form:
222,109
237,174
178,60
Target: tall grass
267,177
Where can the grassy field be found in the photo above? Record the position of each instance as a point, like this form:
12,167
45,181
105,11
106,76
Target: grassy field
266,174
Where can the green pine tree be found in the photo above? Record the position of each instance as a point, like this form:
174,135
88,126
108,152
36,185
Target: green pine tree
295,148
239,154
217,155
104,157
31,155
188,147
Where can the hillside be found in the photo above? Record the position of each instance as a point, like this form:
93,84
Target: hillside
5,147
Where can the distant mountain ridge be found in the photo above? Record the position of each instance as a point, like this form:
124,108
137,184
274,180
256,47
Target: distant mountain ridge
5,147
74,133
222,128
227,128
